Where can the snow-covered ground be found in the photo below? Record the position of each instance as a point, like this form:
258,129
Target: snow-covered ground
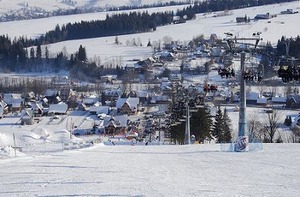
193,170
166,170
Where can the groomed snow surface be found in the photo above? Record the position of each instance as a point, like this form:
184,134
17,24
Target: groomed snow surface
167,170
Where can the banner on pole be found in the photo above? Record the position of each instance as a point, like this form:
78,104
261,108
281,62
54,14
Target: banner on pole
241,144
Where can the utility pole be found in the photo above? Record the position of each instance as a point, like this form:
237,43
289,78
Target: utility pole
242,141
242,112
187,135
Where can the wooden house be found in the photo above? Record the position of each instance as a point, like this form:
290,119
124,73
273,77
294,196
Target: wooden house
115,125
127,105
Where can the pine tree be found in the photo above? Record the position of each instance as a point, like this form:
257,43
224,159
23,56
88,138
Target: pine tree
39,52
47,54
81,56
201,124
117,40
32,53
217,130
227,124
221,127
177,133
149,44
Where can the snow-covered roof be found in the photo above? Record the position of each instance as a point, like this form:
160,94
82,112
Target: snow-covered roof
61,108
17,102
142,93
117,121
252,96
132,102
90,99
262,100
9,97
278,99
99,109
50,92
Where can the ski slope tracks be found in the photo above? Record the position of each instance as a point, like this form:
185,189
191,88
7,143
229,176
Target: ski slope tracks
192,170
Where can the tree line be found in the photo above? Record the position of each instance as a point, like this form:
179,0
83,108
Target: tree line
14,57
117,24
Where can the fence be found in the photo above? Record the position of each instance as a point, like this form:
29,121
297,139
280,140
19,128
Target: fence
44,148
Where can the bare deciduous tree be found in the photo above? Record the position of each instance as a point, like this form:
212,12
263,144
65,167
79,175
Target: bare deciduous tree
271,126
296,134
261,89
255,129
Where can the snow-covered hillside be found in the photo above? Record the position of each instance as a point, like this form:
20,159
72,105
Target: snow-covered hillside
206,24
9,6
195,170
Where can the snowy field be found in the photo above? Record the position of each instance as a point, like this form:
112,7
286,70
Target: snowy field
195,170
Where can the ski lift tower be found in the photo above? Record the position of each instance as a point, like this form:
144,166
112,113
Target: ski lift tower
242,46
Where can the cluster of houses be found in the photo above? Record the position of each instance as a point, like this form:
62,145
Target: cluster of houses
113,106
268,99
27,11
246,19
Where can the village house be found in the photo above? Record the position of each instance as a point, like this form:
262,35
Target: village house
67,94
264,16
160,99
99,109
143,96
3,108
127,105
27,117
90,100
30,96
109,97
251,98
114,125
262,101
9,98
52,96
108,78
175,77
278,100
59,108
171,46
244,19
288,11
293,101
17,104
165,56
37,109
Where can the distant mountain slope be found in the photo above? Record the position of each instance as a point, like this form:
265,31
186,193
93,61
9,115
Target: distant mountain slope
17,10
9,6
